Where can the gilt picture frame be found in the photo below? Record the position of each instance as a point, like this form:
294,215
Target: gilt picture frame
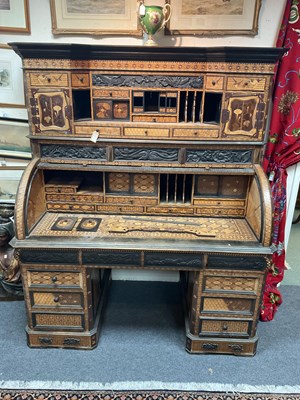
14,16
213,17
11,79
104,17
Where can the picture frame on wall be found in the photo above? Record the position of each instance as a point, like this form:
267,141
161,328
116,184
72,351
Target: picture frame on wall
105,17
11,79
14,141
213,17
14,16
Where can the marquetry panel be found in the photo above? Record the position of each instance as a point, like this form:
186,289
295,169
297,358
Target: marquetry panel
231,283
130,200
75,197
171,210
144,183
219,202
72,279
246,83
43,299
48,79
118,182
146,132
117,209
233,212
50,320
157,118
224,326
62,185
207,185
214,82
232,186
227,305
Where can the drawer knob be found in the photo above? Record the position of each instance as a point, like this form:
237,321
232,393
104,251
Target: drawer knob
49,80
213,83
54,279
146,133
56,299
225,327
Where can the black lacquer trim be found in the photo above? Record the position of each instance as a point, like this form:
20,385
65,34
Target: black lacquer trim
254,263
73,152
49,257
219,156
153,81
107,258
173,260
139,53
144,154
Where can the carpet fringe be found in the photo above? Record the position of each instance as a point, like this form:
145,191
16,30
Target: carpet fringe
149,385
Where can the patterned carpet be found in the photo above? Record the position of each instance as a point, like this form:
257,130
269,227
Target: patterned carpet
139,395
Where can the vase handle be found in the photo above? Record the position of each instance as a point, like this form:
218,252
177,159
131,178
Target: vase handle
166,10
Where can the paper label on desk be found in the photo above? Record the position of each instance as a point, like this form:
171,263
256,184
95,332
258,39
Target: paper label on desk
94,136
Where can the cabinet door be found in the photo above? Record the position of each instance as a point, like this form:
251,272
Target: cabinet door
50,110
243,116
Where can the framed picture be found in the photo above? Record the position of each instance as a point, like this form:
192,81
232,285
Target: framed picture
14,16
102,17
9,181
14,142
213,17
11,79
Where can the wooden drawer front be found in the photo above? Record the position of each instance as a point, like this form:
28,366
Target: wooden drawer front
221,327
118,182
80,80
231,283
158,118
219,202
60,189
171,210
146,132
116,209
130,200
48,79
77,197
246,83
102,130
59,300
54,278
227,305
70,207
230,212
214,82
195,133
119,94
45,340
54,321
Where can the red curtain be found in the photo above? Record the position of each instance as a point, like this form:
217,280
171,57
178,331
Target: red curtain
283,147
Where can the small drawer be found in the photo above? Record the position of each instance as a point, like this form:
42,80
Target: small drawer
228,212
217,283
80,79
70,207
103,131
75,197
130,200
146,132
224,327
54,279
246,83
214,82
60,189
48,79
59,340
195,133
171,210
56,300
117,209
224,305
219,202
58,321
110,93
155,118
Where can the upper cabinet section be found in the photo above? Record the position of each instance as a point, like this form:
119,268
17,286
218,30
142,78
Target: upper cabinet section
215,94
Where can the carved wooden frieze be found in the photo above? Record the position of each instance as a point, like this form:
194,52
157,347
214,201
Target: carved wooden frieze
150,81
255,263
107,258
219,156
185,261
49,257
145,154
73,152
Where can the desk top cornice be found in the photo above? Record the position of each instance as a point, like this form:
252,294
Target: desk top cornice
144,53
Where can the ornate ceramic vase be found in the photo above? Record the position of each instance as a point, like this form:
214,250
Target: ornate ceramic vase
153,19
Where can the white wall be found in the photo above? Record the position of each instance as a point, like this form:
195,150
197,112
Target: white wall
269,23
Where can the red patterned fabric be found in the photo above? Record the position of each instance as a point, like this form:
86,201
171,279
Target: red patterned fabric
283,148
